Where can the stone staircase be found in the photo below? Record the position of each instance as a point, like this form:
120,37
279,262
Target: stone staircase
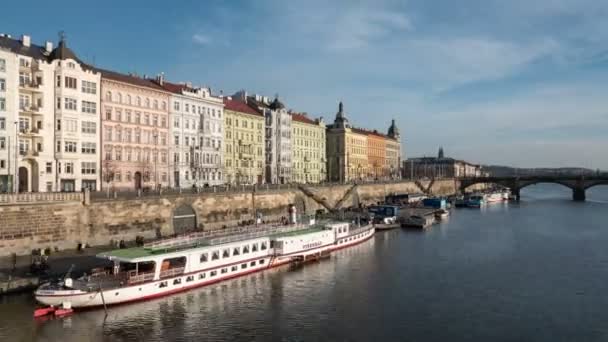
315,197
346,195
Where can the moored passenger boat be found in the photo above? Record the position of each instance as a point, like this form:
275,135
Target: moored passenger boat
475,201
178,264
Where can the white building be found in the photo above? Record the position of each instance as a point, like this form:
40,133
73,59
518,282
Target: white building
196,131
277,138
49,105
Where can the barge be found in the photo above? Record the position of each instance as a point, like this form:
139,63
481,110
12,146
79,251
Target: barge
178,264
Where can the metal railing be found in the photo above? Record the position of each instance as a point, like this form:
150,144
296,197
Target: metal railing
41,197
134,278
221,236
172,272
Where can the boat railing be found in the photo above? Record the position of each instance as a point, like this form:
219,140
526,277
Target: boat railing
202,239
358,230
134,277
172,272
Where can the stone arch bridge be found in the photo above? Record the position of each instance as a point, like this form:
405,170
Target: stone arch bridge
578,184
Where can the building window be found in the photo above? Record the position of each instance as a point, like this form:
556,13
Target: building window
2,104
70,82
89,87
2,143
49,167
89,147
89,107
70,104
70,146
2,84
89,127
69,168
2,64
88,168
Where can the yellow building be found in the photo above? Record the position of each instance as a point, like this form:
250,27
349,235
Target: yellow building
346,150
308,149
243,143
357,154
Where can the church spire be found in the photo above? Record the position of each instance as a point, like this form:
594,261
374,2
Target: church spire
440,154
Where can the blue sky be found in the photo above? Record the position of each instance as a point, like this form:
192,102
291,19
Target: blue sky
514,82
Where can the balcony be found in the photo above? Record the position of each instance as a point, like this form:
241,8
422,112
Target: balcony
29,131
30,110
29,154
31,86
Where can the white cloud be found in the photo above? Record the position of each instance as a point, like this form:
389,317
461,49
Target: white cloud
201,39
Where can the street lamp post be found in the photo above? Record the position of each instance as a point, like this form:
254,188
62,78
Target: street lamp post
156,160
16,157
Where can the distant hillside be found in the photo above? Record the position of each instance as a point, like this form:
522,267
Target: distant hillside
505,171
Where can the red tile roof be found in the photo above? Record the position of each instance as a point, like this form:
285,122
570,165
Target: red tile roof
239,106
302,118
175,88
135,80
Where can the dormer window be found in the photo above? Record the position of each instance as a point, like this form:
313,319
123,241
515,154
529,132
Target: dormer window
71,65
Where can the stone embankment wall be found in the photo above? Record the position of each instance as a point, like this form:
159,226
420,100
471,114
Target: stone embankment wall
62,221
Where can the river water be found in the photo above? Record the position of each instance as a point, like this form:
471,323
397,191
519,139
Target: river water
530,271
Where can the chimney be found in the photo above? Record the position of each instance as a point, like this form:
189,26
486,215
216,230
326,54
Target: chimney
26,40
160,78
48,47
189,85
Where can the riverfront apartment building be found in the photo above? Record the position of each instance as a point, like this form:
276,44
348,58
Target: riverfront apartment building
134,139
358,154
308,149
197,139
244,129
440,167
278,165
49,118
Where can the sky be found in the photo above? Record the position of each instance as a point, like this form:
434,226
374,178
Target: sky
520,83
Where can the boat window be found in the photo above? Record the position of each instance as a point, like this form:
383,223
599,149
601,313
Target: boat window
236,251
262,261
234,268
254,247
226,253
243,266
272,242
252,263
213,273
263,246
177,281
224,270
162,284
215,255
245,249
204,257
202,275
190,278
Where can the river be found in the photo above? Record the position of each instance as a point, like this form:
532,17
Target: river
530,271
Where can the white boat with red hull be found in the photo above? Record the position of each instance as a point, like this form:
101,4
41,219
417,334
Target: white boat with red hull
174,265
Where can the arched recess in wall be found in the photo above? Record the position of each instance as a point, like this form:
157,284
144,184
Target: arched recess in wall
355,199
300,204
184,219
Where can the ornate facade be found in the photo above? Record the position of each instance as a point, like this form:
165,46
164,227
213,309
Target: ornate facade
196,131
244,147
135,132
49,118
308,149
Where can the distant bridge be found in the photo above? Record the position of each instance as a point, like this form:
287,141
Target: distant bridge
578,184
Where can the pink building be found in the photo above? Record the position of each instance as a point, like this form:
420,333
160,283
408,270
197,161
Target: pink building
134,121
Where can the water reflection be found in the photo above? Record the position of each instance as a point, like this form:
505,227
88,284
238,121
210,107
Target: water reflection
534,270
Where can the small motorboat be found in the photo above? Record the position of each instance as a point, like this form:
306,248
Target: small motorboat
386,223
442,214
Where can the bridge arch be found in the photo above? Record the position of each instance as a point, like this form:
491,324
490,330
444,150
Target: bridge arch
600,182
529,183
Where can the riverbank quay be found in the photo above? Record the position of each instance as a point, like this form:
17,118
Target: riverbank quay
62,221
